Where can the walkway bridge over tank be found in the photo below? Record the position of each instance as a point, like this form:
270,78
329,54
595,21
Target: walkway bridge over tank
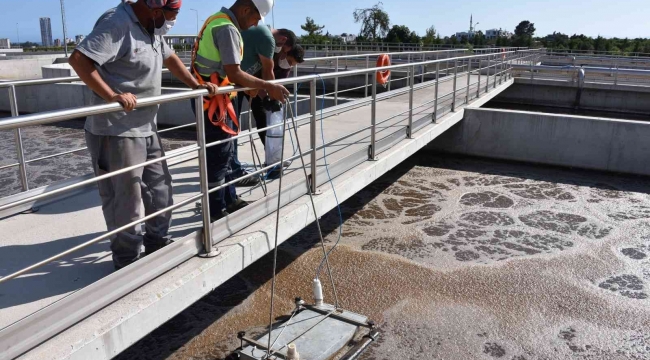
59,295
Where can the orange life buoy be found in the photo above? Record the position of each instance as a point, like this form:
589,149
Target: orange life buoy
382,76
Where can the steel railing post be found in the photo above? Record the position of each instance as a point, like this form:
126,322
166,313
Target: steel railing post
312,134
367,67
496,69
203,173
435,99
453,96
532,71
18,138
501,66
372,154
424,67
409,130
487,77
478,86
336,84
295,91
469,75
390,76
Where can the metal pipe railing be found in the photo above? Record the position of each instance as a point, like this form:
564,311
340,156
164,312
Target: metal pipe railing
196,95
18,137
312,135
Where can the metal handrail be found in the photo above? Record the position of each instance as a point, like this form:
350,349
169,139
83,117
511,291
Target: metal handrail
596,52
11,85
14,84
55,116
394,53
31,82
598,56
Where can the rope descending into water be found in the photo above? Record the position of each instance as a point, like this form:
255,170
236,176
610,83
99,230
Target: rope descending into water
277,224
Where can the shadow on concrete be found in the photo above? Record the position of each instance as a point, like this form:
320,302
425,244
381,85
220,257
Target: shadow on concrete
88,199
186,189
62,276
178,170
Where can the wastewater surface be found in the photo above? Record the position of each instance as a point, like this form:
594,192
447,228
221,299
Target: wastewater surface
42,141
459,258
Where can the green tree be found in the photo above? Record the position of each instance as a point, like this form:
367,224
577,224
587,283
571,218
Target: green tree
524,33
430,36
312,28
525,28
399,34
479,39
414,38
375,22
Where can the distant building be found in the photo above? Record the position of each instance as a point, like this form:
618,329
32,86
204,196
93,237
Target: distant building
496,33
5,44
57,42
464,34
468,34
348,38
46,31
78,39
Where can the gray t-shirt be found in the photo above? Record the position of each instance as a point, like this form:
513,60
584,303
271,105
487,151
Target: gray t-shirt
129,60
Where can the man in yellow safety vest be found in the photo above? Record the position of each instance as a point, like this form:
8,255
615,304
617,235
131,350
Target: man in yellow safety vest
217,57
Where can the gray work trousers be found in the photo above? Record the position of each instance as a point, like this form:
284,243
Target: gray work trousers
122,195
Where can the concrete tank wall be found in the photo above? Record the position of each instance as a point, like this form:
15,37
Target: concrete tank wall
26,66
605,97
565,140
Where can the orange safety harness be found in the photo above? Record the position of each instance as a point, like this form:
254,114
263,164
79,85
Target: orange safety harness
217,105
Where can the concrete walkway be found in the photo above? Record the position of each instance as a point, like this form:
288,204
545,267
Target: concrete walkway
28,238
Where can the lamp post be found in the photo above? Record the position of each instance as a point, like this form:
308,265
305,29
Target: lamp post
18,33
65,31
197,20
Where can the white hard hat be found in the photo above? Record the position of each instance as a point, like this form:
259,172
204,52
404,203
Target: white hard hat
264,6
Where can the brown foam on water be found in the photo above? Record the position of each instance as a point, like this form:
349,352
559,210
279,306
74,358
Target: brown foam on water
516,301
466,259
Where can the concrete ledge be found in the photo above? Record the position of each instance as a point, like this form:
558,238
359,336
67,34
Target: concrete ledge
575,141
600,97
643,88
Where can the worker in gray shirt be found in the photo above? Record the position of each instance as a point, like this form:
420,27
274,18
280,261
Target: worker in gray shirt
122,60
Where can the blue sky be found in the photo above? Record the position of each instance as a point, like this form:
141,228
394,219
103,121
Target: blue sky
623,18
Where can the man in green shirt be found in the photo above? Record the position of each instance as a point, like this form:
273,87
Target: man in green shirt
261,44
